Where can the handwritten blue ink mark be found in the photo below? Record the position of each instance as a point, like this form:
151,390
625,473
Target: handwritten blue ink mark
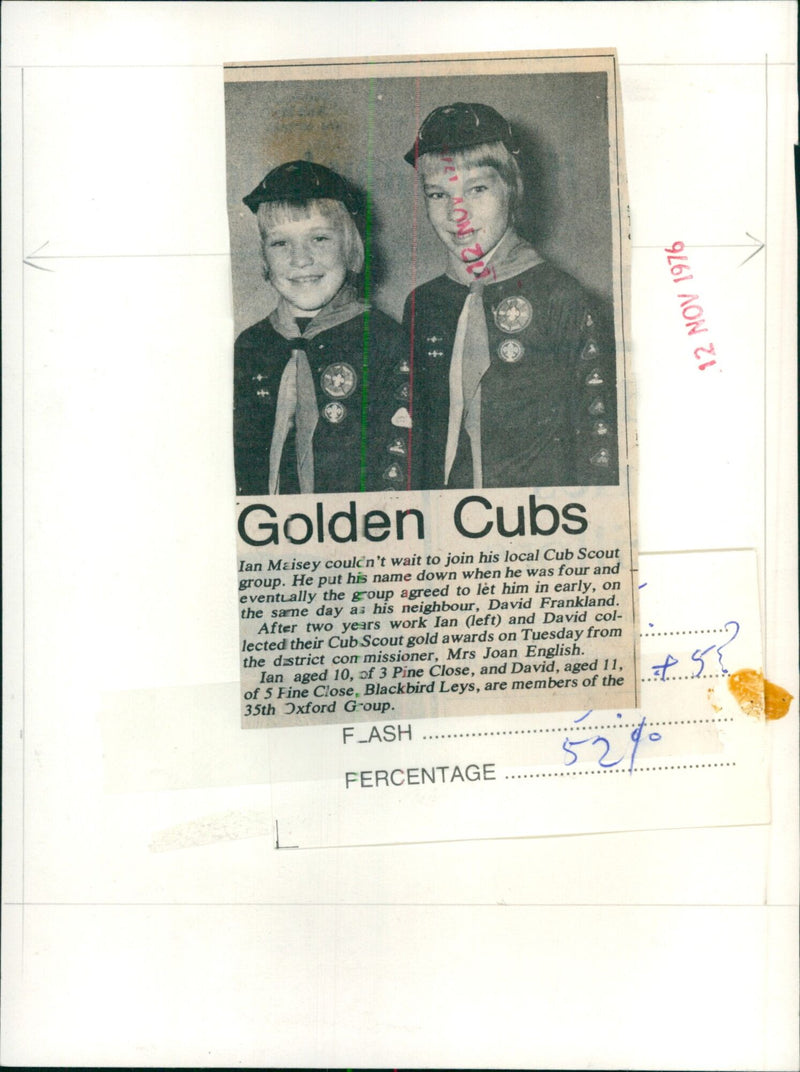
636,737
604,740
725,644
699,657
660,670
568,746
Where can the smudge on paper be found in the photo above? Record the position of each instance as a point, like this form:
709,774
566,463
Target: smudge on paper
712,699
758,697
226,826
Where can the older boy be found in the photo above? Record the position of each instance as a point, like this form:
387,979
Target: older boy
513,379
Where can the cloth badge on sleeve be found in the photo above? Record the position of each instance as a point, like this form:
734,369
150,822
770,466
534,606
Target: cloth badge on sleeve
589,351
602,459
402,418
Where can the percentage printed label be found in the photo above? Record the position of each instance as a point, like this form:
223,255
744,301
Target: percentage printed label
691,311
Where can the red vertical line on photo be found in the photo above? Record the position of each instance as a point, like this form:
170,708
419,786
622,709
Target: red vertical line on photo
367,283
412,311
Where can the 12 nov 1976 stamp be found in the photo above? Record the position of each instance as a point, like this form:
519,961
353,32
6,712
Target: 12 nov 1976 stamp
434,428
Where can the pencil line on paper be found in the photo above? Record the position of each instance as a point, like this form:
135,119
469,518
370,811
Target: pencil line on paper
766,292
156,256
700,63
22,510
386,904
113,256
625,351
376,59
372,61
756,245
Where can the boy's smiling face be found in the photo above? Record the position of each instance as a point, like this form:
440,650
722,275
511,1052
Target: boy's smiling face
306,262
467,206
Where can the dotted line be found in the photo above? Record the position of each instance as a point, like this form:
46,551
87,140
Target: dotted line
684,632
618,770
684,677
574,726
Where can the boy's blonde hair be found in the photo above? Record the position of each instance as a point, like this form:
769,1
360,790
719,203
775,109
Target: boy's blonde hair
272,214
491,154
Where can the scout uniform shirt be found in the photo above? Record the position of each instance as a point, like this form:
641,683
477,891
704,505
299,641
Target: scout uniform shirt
546,396
326,384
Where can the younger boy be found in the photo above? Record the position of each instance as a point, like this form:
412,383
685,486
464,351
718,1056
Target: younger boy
513,378
316,383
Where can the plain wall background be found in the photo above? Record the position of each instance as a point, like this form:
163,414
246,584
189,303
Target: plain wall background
560,120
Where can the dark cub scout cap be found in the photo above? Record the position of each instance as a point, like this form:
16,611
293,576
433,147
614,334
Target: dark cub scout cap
299,181
461,126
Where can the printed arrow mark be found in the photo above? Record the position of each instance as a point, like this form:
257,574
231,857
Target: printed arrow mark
33,256
760,246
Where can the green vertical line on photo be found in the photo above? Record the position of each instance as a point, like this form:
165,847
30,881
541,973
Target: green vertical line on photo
367,284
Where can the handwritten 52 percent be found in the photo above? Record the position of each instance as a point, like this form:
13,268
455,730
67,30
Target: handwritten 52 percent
600,748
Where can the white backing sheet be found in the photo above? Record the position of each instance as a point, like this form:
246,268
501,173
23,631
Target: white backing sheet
148,918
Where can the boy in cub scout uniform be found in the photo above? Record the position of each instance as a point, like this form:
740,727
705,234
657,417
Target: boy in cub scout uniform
513,375
318,383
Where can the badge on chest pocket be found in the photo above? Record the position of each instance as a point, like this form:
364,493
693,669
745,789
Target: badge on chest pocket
513,314
338,380
511,351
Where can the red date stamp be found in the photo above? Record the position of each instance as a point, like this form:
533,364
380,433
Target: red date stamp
693,315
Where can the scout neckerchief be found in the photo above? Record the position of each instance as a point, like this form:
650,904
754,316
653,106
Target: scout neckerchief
470,359
297,397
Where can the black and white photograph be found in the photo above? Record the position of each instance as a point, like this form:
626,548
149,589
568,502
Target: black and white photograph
424,279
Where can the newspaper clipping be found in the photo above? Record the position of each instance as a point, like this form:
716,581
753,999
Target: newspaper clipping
433,426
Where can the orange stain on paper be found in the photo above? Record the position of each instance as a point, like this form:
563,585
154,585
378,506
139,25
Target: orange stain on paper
712,700
758,697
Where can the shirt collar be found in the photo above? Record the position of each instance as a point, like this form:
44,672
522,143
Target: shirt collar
344,306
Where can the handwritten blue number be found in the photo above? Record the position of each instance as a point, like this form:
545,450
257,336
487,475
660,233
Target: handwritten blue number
699,657
567,746
597,740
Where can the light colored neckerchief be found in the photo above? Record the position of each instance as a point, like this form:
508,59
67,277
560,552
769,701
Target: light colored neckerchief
297,398
471,359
